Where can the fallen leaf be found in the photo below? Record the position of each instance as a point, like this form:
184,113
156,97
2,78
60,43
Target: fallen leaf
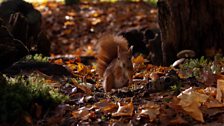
69,23
214,104
95,21
28,119
88,51
150,110
124,110
71,66
220,90
58,61
211,91
213,112
66,32
154,76
83,113
174,105
190,101
138,60
139,75
82,87
105,106
178,121
219,76
81,67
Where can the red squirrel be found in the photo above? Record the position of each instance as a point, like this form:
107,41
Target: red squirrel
114,63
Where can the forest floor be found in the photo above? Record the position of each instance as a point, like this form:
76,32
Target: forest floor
192,94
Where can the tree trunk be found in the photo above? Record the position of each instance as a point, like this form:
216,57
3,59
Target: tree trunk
191,24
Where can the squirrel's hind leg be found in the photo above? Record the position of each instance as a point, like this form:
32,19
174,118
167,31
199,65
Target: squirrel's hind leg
108,82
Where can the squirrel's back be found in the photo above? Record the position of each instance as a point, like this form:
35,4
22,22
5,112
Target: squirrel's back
108,50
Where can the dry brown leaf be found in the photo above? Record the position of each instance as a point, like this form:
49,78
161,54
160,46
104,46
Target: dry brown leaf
220,90
28,119
95,21
69,23
81,67
124,110
174,105
138,60
58,61
105,106
139,75
54,120
211,91
219,76
178,121
82,87
88,51
83,113
154,76
71,66
214,104
72,13
150,110
190,101
66,32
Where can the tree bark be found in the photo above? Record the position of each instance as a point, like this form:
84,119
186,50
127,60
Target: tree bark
191,24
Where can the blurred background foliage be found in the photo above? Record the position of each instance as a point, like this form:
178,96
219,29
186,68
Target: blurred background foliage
75,1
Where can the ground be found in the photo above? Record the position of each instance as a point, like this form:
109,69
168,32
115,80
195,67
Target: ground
189,94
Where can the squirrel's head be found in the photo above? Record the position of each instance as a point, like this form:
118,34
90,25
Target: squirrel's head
124,58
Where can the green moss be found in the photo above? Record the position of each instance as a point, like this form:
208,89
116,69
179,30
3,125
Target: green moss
18,94
176,88
36,57
200,67
153,2
193,67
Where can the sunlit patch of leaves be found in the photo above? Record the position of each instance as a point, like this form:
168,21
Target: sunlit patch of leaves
18,94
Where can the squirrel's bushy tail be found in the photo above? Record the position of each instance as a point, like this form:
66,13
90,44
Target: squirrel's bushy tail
107,50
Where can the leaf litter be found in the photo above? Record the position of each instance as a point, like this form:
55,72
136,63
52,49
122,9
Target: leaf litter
192,94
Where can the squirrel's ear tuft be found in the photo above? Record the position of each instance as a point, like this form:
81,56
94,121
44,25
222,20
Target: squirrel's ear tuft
130,49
